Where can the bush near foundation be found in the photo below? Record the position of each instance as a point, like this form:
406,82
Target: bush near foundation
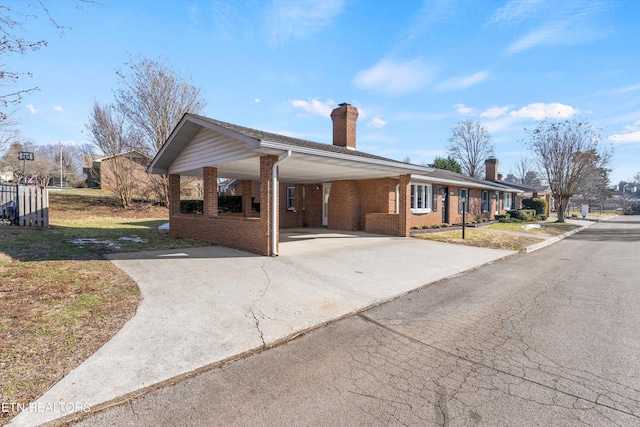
540,205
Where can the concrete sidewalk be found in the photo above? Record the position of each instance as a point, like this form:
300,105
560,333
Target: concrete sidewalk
205,305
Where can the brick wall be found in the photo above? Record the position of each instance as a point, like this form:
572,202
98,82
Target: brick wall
290,218
345,206
246,234
381,223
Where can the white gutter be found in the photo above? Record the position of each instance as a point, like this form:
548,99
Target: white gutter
274,200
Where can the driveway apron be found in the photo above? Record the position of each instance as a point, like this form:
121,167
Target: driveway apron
202,306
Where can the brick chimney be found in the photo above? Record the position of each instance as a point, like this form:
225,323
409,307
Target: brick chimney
344,126
491,168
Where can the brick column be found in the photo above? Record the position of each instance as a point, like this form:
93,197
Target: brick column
266,163
210,184
174,194
246,197
404,209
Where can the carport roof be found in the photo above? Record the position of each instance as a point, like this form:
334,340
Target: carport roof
199,142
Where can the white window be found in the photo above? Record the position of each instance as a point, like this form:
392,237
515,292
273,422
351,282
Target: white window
485,201
506,201
291,198
464,194
421,198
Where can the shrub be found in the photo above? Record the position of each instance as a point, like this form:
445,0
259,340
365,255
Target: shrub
523,214
191,206
444,225
415,227
425,227
229,203
540,205
542,217
503,218
483,220
435,226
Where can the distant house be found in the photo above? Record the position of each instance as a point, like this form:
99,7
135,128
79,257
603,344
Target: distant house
6,174
100,170
525,192
300,183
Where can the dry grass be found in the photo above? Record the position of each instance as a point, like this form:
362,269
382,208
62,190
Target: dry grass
60,302
482,238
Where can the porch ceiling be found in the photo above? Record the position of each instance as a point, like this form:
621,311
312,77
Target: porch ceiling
301,168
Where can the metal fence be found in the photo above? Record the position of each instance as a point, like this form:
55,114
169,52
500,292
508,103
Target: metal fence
24,205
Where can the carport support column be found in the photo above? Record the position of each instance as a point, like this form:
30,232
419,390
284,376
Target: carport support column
266,189
174,194
210,184
246,197
403,205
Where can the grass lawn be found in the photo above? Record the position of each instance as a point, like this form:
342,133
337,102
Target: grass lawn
546,228
60,299
502,235
482,238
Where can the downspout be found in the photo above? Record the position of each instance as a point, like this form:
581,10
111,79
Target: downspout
274,201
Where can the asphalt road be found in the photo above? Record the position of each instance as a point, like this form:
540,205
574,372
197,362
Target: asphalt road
550,338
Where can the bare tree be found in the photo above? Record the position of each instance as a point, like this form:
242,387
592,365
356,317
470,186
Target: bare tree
470,145
568,152
14,41
111,136
525,173
153,98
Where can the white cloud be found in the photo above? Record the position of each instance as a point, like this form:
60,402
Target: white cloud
463,82
495,112
257,100
300,19
31,108
560,24
540,111
377,122
314,106
463,109
625,138
58,108
515,11
395,78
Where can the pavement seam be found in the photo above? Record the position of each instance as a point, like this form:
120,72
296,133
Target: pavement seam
474,362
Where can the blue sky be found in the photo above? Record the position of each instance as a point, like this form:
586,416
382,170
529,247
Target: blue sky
412,68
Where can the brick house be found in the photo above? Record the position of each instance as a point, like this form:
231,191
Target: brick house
301,183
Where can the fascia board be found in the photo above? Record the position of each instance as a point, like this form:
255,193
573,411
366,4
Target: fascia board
396,166
462,183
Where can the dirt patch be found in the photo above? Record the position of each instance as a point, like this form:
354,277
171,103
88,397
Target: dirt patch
60,301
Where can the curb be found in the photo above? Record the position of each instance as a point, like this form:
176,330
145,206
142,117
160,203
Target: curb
551,241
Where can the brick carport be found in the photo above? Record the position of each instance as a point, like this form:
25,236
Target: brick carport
210,149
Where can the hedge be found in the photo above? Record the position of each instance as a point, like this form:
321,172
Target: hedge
540,205
226,204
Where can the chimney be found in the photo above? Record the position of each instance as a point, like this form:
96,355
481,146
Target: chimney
491,169
499,177
344,126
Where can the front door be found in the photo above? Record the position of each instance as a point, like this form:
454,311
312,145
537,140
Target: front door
445,205
326,188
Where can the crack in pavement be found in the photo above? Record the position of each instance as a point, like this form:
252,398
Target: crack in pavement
493,368
251,309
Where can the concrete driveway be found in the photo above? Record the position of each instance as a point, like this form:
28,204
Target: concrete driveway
202,306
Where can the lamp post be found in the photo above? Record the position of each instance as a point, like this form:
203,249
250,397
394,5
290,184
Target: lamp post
24,156
464,208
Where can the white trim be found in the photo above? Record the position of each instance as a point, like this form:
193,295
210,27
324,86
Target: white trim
421,197
291,198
